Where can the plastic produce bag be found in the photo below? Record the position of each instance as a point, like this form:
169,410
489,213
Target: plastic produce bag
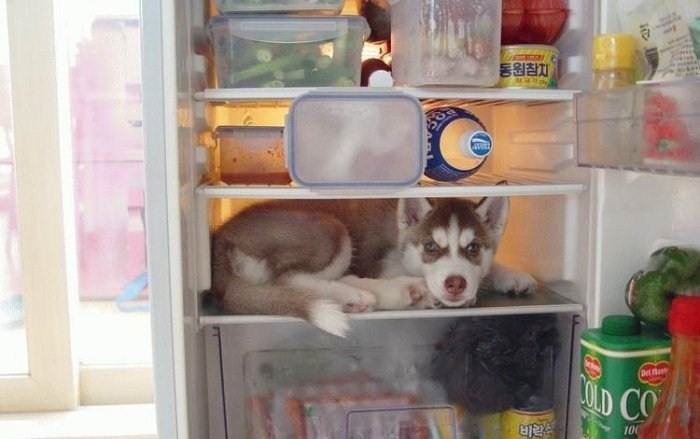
490,364
669,271
667,33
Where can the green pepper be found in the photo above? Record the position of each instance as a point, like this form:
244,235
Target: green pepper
670,271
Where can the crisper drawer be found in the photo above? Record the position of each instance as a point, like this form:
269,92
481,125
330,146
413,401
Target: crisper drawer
460,378
648,127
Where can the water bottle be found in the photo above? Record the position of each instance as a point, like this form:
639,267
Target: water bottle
458,144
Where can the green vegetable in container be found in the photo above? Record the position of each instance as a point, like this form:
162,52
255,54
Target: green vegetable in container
269,68
670,271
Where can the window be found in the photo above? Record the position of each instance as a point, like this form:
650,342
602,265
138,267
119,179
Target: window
76,323
13,335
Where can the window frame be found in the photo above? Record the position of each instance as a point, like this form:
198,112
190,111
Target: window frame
47,244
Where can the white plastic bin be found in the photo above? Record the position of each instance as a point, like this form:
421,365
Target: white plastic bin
355,139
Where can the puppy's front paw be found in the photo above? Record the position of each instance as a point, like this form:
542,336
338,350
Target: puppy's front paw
404,292
515,282
358,301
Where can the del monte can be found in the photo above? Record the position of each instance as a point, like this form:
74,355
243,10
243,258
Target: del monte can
623,367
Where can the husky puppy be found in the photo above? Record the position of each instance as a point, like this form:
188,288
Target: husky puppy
320,259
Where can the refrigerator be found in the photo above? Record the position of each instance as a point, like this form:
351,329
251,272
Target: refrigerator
586,212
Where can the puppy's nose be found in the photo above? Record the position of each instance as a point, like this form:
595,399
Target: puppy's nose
455,285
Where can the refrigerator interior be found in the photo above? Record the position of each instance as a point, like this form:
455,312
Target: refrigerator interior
579,231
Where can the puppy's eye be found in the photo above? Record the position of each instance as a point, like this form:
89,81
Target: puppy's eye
431,247
473,248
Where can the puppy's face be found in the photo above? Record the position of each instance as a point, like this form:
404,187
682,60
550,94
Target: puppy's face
452,244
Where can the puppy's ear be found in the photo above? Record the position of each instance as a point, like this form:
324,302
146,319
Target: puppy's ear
411,211
494,213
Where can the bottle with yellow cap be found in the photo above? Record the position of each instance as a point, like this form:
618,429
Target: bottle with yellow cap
613,61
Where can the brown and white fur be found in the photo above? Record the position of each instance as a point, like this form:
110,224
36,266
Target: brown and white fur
321,259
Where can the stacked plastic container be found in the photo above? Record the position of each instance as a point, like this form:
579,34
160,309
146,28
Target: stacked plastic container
276,43
286,43
335,137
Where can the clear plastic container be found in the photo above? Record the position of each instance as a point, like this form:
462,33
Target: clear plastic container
356,139
287,51
310,7
450,42
249,155
648,127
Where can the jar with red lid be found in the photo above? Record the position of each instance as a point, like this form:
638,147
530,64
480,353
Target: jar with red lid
677,414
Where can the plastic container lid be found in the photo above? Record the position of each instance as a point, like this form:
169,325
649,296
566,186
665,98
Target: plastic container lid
325,7
621,325
613,51
684,317
288,28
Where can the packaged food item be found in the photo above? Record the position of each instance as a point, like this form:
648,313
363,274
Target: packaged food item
613,61
525,424
667,36
529,66
677,414
446,42
623,368
458,144
248,155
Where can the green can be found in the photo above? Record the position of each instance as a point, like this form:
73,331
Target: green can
623,368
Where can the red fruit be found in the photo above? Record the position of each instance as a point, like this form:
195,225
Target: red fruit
543,27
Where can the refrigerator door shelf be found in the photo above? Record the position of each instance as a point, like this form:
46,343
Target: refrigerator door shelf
651,127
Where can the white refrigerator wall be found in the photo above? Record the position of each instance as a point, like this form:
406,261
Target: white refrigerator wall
635,214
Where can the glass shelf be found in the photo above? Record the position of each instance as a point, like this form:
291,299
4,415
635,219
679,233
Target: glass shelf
465,94
545,300
478,185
